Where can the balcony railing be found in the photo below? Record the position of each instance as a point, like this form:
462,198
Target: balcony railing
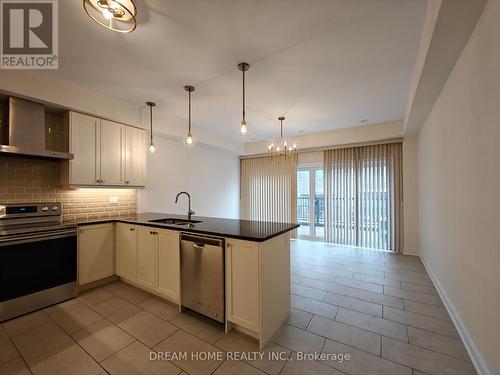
303,212
371,227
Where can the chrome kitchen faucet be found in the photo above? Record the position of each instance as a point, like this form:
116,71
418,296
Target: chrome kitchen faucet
190,212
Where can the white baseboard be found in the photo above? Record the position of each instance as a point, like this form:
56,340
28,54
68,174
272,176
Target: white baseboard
476,358
408,251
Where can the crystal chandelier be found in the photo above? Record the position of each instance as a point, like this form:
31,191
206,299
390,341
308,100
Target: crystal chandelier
282,146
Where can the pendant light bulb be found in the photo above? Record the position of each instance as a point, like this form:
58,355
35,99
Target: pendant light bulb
243,127
152,147
107,14
189,139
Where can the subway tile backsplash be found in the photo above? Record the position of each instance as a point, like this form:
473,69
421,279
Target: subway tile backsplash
24,180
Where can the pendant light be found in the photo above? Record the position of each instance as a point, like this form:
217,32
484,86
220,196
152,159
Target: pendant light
189,138
282,146
243,67
151,144
114,15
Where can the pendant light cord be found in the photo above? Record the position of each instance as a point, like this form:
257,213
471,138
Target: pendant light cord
243,94
151,122
189,130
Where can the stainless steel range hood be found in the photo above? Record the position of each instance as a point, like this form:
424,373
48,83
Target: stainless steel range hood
25,134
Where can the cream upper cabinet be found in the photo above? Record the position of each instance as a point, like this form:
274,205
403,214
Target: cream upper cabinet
126,251
110,153
96,252
134,156
106,153
242,284
147,247
168,265
83,134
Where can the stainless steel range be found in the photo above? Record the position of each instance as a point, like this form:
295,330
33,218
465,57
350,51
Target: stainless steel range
38,258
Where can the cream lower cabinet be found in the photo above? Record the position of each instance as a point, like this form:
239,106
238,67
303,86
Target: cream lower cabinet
147,249
258,285
168,265
150,258
126,251
96,252
242,283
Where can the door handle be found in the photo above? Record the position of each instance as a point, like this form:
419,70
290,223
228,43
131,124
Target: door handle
198,245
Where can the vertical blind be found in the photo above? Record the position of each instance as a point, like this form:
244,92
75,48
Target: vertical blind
363,196
268,189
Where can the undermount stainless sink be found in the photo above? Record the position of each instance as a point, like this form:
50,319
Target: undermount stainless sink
172,221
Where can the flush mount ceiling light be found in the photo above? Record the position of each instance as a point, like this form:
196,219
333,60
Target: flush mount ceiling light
282,146
189,138
243,67
115,15
151,144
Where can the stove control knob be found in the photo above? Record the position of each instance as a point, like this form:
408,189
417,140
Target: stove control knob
45,208
55,208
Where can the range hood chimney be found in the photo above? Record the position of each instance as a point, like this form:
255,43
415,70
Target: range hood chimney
25,133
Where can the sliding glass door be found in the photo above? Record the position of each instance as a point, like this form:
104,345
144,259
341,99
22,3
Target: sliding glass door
310,203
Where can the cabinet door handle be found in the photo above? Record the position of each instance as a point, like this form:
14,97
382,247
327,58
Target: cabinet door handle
132,229
153,233
127,182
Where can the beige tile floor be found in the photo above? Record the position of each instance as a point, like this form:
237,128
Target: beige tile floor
381,309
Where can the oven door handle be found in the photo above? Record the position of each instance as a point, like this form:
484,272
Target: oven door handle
36,237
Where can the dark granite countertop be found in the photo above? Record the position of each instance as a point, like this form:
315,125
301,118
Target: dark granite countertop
248,230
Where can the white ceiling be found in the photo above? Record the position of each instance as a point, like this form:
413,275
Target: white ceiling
324,64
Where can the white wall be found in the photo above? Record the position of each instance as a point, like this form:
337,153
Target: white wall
459,178
209,174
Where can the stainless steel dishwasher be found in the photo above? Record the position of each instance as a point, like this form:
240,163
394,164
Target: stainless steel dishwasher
202,275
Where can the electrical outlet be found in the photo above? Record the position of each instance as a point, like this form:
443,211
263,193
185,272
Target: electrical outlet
113,200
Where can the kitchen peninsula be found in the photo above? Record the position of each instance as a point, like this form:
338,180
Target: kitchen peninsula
145,250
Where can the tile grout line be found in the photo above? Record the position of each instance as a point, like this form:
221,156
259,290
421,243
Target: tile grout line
76,342
17,351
